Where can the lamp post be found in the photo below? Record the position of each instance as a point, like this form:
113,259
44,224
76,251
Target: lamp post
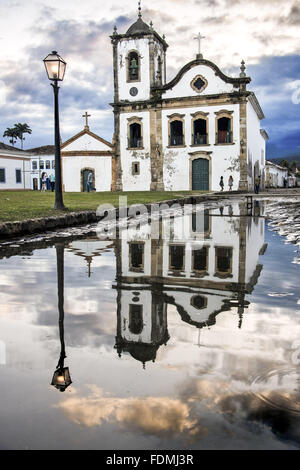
55,68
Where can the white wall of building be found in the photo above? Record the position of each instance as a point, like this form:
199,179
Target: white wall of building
256,145
142,181
86,143
215,84
275,175
142,47
222,159
11,165
72,166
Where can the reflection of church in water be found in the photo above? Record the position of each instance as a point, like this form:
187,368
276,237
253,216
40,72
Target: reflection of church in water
202,263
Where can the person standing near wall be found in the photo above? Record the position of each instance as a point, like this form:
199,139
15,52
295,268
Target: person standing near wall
89,185
221,183
52,182
230,182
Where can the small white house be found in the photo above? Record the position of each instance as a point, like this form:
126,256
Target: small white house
42,161
276,175
83,153
14,169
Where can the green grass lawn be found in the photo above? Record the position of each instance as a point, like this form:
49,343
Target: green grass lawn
21,205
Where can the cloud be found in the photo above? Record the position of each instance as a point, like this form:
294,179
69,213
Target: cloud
206,413
249,30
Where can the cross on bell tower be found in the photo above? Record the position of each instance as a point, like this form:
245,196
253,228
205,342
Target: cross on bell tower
86,116
198,38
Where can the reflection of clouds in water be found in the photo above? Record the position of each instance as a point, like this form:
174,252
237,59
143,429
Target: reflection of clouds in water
204,409
153,415
279,294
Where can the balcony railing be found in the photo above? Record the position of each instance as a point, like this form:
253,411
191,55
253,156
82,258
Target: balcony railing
224,137
200,139
176,140
135,142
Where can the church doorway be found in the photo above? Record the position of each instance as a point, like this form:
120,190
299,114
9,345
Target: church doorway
200,174
35,184
84,178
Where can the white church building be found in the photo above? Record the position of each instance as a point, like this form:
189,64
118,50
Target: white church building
86,153
183,134
179,135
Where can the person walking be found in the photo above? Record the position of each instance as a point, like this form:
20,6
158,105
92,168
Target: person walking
44,181
89,185
52,182
221,183
230,182
256,185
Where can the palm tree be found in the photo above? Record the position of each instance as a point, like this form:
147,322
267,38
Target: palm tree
12,133
22,129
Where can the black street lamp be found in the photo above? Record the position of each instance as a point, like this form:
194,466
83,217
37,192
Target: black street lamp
55,68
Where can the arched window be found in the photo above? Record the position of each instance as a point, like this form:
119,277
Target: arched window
176,133
200,259
224,127
136,323
223,261
136,257
200,132
176,130
133,67
135,135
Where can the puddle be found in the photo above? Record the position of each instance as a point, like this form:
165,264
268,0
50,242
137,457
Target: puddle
279,389
151,332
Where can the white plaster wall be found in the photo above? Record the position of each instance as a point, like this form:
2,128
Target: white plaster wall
142,181
86,142
177,160
215,83
146,301
142,47
72,167
255,241
255,142
215,302
277,176
10,167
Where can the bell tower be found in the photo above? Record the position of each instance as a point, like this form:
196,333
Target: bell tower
139,61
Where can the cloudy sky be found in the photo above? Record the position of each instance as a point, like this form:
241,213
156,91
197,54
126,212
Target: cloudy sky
265,34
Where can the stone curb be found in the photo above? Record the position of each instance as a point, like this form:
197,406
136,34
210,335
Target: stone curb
43,224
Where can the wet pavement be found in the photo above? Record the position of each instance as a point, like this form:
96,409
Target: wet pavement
173,332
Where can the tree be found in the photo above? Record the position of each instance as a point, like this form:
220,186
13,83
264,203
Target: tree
12,133
285,163
294,165
22,129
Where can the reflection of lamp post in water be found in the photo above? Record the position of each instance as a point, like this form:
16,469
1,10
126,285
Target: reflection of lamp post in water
61,377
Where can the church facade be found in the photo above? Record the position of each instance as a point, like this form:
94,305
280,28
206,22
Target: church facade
183,134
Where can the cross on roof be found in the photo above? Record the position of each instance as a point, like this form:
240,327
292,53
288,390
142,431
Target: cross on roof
86,116
198,38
